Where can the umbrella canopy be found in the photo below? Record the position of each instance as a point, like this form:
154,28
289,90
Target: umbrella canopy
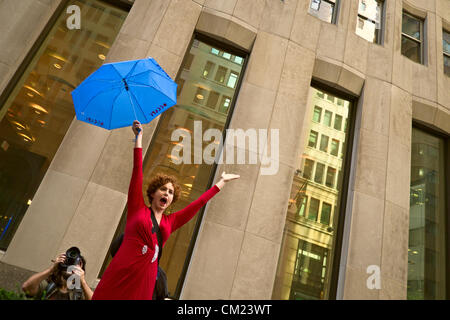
118,93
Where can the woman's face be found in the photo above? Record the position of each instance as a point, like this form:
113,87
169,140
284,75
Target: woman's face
162,198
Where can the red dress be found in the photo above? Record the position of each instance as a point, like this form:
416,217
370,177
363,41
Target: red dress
131,275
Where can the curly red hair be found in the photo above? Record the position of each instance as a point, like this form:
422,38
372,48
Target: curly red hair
158,181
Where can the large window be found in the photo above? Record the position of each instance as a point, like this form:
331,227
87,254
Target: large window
39,111
428,226
205,100
325,10
446,48
412,37
306,263
369,24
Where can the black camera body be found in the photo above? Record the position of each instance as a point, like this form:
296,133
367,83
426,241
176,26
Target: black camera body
73,258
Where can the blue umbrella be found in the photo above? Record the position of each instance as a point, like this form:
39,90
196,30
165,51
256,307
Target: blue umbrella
118,93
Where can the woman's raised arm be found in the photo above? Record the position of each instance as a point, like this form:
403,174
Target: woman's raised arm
135,197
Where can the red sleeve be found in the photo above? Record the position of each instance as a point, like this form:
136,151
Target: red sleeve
181,217
135,197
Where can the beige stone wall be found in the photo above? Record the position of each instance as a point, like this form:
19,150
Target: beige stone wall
237,250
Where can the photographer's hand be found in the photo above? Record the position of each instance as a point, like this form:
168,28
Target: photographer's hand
86,289
31,285
59,259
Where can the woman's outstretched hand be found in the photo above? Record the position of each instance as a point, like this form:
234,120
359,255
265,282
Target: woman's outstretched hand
225,178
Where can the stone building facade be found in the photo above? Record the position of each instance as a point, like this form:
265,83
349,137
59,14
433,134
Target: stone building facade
285,56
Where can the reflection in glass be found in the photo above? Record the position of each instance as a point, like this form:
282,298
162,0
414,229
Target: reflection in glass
412,37
411,49
193,178
304,266
411,26
327,118
427,222
39,111
323,9
312,139
369,20
446,48
447,65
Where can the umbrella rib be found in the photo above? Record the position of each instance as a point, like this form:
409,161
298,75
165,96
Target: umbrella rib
112,65
146,86
137,84
137,74
112,105
132,69
137,102
98,93
102,80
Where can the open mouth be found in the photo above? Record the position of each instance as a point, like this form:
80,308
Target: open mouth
163,201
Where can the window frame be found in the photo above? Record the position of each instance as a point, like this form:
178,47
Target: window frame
221,46
422,37
338,221
334,17
430,129
380,38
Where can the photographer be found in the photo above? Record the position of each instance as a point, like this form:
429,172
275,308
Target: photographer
51,284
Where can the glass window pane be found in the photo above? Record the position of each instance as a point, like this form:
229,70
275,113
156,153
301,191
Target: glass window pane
301,205
411,26
446,41
200,95
334,147
213,99
312,139
209,69
447,65
317,113
189,59
327,118
297,277
331,176
338,120
371,9
320,170
367,29
322,9
427,250
232,79
325,214
308,168
313,209
39,111
324,143
226,55
220,74
369,20
225,104
411,49
238,59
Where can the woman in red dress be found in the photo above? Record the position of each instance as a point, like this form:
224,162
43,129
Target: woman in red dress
131,275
